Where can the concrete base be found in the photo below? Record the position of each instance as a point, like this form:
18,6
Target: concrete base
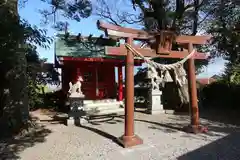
76,114
130,141
195,129
155,106
76,121
168,111
153,112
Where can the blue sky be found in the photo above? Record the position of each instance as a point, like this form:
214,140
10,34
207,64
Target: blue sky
86,26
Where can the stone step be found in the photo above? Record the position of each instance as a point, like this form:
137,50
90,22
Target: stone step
102,108
169,111
93,105
99,101
99,107
109,111
95,111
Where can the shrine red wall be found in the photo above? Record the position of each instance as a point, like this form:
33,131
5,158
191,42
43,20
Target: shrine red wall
95,75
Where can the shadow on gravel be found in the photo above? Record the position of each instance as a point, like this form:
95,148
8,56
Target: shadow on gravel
216,121
109,119
226,148
11,147
103,134
56,119
165,127
216,128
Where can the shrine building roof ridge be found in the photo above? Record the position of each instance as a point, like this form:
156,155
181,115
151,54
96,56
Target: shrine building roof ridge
87,48
70,46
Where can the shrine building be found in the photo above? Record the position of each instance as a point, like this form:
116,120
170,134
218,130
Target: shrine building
88,57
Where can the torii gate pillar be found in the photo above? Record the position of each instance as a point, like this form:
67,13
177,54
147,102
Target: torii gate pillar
194,127
129,139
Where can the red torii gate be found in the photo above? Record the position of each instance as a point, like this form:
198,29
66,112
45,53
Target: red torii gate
162,48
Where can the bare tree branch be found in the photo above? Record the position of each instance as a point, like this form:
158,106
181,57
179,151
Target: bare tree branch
116,15
128,18
104,11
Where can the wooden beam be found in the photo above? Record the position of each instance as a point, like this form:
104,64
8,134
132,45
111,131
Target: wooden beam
139,36
122,51
137,62
104,26
192,39
117,31
179,39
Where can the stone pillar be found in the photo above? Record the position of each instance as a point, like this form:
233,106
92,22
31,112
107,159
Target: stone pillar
155,106
76,115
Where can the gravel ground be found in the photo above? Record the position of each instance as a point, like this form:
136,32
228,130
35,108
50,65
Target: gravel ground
162,137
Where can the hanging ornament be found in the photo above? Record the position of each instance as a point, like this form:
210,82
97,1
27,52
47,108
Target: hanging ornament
180,75
181,71
167,77
177,78
161,74
149,74
163,84
183,94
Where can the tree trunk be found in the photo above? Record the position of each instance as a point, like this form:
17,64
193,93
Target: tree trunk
17,99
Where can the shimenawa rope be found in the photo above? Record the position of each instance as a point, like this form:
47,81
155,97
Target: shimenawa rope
158,65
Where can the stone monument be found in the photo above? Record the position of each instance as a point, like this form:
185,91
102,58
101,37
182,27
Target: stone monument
154,106
76,97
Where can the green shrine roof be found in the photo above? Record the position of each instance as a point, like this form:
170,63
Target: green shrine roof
85,47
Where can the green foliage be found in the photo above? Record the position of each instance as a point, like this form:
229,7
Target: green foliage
13,93
179,15
70,9
20,66
226,38
22,71
232,73
221,94
38,76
